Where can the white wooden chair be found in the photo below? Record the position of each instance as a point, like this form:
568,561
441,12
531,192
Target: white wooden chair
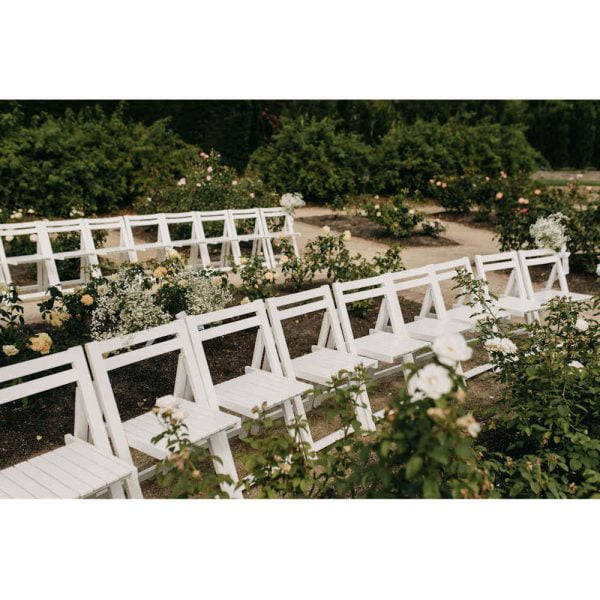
79,469
140,224
329,356
112,227
380,344
535,257
271,216
215,218
428,325
514,299
460,311
257,386
86,253
46,272
205,422
187,221
258,237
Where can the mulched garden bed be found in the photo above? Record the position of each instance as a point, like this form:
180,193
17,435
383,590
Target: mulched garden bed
360,226
39,424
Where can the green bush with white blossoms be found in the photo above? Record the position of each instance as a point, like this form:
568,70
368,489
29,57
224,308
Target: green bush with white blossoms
550,232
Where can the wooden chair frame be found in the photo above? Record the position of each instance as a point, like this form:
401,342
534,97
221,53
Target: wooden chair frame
287,232
260,242
189,385
248,316
330,348
54,474
163,241
225,240
125,248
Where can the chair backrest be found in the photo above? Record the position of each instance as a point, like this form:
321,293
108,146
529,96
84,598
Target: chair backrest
240,318
140,346
503,261
377,288
76,372
278,214
543,256
135,223
206,218
257,236
47,274
86,253
281,308
110,225
175,223
442,272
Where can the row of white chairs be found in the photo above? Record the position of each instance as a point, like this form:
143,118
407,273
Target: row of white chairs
97,458
266,225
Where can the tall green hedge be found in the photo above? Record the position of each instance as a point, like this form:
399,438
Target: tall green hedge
89,161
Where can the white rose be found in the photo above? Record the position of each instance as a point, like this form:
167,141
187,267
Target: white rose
469,423
178,416
576,364
182,182
452,349
167,403
325,230
9,238
283,259
433,381
171,253
582,325
347,236
33,237
245,300
501,345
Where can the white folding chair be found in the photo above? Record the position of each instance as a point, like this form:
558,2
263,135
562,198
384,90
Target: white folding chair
205,422
271,218
112,227
329,356
514,299
460,311
535,257
79,469
153,225
215,219
260,244
46,272
184,231
85,254
246,393
381,344
428,325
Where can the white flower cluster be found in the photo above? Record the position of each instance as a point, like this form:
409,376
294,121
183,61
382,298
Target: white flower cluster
550,232
291,201
500,345
127,307
202,294
169,407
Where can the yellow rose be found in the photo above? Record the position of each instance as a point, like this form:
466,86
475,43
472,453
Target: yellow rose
325,230
86,300
523,201
347,236
171,253
41,343
216,280
159,272
243,260
283,259
245,300
269,276
10,350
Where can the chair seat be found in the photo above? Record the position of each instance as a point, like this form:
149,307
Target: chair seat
202,422
518,306
461,312
428,329
76,470
256,387
319,366
544,296
387,347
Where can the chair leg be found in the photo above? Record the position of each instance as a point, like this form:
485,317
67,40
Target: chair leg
410,386
218,444
294,410
363,410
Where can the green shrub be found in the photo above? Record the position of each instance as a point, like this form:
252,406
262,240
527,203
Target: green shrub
409,155
88,161
313,158
206,184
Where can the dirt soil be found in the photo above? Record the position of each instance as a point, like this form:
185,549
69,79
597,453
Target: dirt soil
362,227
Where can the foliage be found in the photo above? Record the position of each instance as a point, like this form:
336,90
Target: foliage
544,436
206,184
296,270
89,161
258,281
399,220
312,157
14,334
184,470
409,155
